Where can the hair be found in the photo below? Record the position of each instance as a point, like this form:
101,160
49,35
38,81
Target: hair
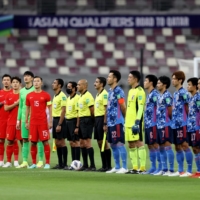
29,73
180,75
152,78
136,74
60,82
16,78
74,84
116,74
102,80
38,77
165,80
194,81
6,75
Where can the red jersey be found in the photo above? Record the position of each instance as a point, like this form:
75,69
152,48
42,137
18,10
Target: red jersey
3,114
38,103
10,99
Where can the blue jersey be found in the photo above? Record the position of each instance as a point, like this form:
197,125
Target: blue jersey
179,115
114,114
193,123
150,110
164,101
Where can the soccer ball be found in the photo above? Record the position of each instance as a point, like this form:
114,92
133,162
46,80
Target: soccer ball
76,164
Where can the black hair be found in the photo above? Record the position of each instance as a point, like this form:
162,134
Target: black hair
102,80
6,75
194,81
136,74
74,84
38,77
116,74
29,73
152,78
165,80
16,78
60,82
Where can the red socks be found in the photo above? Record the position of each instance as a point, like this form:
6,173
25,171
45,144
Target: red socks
16,150
34,153
47,153
1,151
9,152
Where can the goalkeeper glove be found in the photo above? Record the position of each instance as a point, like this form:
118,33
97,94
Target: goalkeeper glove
136,127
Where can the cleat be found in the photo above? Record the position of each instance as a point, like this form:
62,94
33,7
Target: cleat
113,170
150,171
142,171
82,169
167,173
186,174
159,173
195,175
57,167
1,163
132,171
174,174
8,164
47,166
122,171
23,165
33,166
102,170
90,169
70,168
16,163
40,164
65,168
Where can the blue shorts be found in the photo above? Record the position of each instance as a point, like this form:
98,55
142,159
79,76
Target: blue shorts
194,139
151,135
180,135
116,134
164,135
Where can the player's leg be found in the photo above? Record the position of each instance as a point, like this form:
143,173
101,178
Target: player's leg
90,152
84,153
47,151
157,149
196,152
9,152
40,147
18,137
3,126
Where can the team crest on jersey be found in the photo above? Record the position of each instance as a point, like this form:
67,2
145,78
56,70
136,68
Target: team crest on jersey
105,96
132,97
140,97
64,98
87,101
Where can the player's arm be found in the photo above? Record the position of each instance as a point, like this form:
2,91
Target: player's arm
122,104
141,103
92,110
90,104
10,107
168,101
27,116
19,114
62,116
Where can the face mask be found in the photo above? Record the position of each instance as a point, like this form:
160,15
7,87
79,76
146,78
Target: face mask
69,91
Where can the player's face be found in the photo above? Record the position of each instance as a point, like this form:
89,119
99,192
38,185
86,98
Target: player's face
80,86
146,83
28,78
110,79
131,79
160,86
6,82
16,85
199,85
97,84
55,85
175,81
190,87
37,83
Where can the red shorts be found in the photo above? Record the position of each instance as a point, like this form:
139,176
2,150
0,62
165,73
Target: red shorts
3,126
12,133
38,132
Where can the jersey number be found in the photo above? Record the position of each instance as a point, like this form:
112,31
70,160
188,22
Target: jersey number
193,135
179,134
151,135
36,103
45,133
163,133
114,134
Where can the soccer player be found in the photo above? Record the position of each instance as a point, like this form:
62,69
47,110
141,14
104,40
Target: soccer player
199,85
150,123
71,119
134,125
59,123
85,124
36,103
114,122
12,134
6,81
28,79
163,116
179,122
101,102
193,124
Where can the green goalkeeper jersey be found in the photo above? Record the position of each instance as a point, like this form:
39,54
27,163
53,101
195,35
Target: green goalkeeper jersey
22,103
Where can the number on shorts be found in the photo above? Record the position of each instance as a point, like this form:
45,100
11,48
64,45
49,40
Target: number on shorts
193,135
45,133
179,134
114,134
163,133
151,135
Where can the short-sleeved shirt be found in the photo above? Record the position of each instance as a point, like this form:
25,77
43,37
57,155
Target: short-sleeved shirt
150,110
3,114
101,101
193,122
11,98
162,115
114,113
136,97
85,101
59,101
179,115
38,103
72,107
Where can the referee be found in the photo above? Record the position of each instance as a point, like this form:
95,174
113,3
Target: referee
59,123
101,101
85,124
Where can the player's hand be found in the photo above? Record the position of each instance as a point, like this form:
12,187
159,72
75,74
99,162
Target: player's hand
58,129
50,125
105,128
136,127
27,125
17,102
18,125
76,131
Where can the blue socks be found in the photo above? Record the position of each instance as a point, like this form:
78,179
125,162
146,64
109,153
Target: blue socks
163,156
197,161
180,160
189,159
158,159
152,156
123,154
115,151
170,156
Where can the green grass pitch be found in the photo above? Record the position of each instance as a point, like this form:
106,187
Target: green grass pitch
58,184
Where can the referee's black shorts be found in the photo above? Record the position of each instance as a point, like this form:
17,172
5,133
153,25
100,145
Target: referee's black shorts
63,133
70,126
86,127
98,128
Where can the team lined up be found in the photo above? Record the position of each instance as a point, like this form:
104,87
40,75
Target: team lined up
165,120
